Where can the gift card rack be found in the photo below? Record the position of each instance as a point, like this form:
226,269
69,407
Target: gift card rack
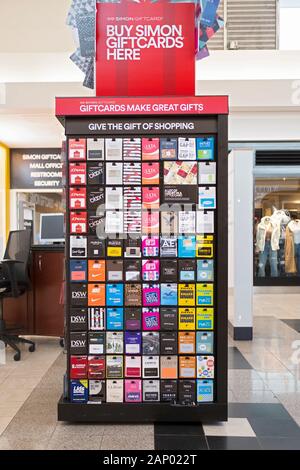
146,310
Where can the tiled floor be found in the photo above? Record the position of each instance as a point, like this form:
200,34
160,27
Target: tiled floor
264,396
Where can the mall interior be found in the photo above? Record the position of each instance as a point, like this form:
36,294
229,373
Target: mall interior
255,60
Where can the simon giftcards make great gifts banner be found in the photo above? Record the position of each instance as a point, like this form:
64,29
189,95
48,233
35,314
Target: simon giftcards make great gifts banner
145,49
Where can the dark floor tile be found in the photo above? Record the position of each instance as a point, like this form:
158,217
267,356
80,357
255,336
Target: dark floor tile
236,359
279,443
232,443
179,429
258,410
179,443
292,323
275,427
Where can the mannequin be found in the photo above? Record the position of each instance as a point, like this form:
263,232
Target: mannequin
282,217
292,247
267,245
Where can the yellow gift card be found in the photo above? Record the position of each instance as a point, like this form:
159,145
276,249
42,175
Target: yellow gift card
186,295
205,295
205,319
114,251
205,246
186,318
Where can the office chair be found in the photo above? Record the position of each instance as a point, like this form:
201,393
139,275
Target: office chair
14,282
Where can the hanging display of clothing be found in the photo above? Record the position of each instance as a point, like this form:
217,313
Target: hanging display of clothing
292,247
267,244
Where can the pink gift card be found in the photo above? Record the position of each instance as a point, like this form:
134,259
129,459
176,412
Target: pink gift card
151,319
150,173
151,295
150,149
133,391
150,222
150,197
150,246
150,270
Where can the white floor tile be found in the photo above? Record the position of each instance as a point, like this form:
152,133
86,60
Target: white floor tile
235,427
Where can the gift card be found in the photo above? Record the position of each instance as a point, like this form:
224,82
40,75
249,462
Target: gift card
168,318
132,222
114,269
150,246
183,194
205,319
187,367
113,149
186,318
168,247
150,342
168,294
168,391
186,148
96,295
114,248
133,318
133,391
113,198
150,197
96,318
78,222
78,367
133,366
132,198
205,148
96,343
77,198
96,367
205,342
114,173
205,391
150,148
150,270
205,367
205,270
78,247
78,319
96,247
187,392
187,270
95,149
132,248
78,270
168,367
168,148
114,342
132,270
97,391
114,222
187,246
168,343
79,295
133,342
207,173
150,173
95,173
180,173
151,295
205,246
77,174
205,222
186,222
132,149
186,295
133,295
150,222
114,318
151,390
168,270
78,343
151,319
114,391
96,270
207,197
205,295
132,173
79,390
169,222
150,367
77,149
96,224
96,198
186,342
114,367
114,295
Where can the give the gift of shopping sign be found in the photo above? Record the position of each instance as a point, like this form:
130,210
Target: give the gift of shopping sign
145,49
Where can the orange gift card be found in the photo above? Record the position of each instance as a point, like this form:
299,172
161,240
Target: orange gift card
168,367
96,270
96,295
187,367
186,342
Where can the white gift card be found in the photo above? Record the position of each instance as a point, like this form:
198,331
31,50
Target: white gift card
150,390
78,247
187,222
114,222
133,366
151,367
114,173
95,149
207,197
114,391
113,149
113,198
186,148
207,173
205,222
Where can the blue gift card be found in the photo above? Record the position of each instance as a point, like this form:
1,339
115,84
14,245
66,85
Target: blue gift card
78,270
205,270
205,148
133,342
187,246
168,294
114,295
205,390
79,391
114,318
205,342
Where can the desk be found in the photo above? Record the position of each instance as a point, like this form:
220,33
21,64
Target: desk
40,311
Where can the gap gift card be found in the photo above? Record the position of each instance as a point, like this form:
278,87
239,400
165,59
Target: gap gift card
132,148
168,148
113,149
205,246
168,247
168,318
96,247
133,366
205,270
150,173
205,342
150,343
186,318
78,319
96,198
150,246
77,149
114,294
78,343
205,148
168,391
168,343
78,270
186,295
180,173
78,247
205,295
114,367
96,318
168,270
96,367
205,319
132,248
150,390
151,319
133,342
205,391
133,391
150,197
151,295
132,270
79,295
77,198
114,270
150,148
187,392
114,318
97,391
187,246
132,174
133,295
78,367
186,342
186,222
180,194
186,148
78,222
205,367
79,391
114,391
96,270
207,197
95,149
168,367
114,248
150,367
96,295
114,342
95,173
187,270
96,343
133,318
77,174
168,294
187,367
114,173
150,222
150,270
207,173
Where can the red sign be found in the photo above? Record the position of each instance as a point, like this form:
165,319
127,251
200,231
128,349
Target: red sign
145,49
142,106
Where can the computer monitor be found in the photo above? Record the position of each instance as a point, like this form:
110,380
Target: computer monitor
52,228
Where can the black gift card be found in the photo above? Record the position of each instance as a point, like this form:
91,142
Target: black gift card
168,343
97,392
96,247
168,390
96,198
78,319
180,194
78,343
96,224
187,270
78,295
132,269
187,392
168,318
133,318
168,270
114,270
95,173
